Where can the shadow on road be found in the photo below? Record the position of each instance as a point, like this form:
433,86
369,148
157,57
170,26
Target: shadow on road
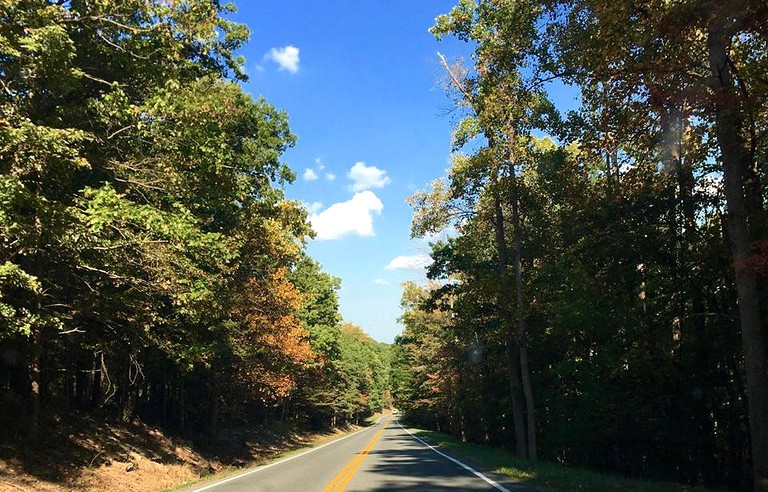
401,463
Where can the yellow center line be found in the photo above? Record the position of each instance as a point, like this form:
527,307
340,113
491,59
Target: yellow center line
341,480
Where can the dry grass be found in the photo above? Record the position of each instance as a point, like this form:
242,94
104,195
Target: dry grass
82,454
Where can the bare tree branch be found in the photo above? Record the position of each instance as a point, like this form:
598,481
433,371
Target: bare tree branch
456,82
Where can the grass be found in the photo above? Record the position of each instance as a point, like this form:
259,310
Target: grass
544,475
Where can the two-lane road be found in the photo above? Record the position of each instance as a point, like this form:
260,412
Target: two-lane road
382,457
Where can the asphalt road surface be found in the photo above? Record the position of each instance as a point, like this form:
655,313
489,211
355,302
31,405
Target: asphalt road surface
381,457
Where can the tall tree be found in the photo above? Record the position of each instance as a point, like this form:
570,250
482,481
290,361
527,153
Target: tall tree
505,106
142,211
698,57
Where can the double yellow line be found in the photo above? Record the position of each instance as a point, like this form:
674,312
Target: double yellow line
342,479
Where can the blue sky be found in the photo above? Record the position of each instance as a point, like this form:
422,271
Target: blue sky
361,84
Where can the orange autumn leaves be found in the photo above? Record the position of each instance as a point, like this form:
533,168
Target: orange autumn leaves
273,347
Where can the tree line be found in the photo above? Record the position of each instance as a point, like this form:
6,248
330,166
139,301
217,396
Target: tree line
601,299
150,264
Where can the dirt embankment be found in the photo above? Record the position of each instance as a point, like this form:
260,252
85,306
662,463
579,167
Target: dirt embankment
85,455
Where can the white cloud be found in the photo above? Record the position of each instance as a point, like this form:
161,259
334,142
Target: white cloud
367,177
309,175
319,163
330,176
287,58
355,216
313,207
412,263
381,282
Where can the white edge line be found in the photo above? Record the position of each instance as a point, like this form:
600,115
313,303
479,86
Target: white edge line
264,467
465,466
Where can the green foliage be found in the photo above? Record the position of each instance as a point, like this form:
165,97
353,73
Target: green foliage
146,245
629,303
18,293
365,366
320,310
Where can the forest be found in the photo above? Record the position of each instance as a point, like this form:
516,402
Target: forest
600,294
150,264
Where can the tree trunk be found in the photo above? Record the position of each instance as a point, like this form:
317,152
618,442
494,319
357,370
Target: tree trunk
505,301
128,397
695,337
182,406
80,381
96,388
516,396
735,160
70,367
213,415
35,379
530,409
164,403
485,399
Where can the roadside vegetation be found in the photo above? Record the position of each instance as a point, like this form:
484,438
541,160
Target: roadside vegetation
598,295
151,269
543,475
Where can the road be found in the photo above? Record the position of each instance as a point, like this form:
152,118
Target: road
381,457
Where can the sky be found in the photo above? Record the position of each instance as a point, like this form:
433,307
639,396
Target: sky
362,86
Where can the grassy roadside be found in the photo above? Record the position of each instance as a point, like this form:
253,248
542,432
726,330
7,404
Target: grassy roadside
319,440
544,475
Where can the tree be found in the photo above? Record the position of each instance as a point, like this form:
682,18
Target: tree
146,240
504,108
698,59
629,208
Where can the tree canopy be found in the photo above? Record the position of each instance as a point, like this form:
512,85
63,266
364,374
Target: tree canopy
616,261
150,264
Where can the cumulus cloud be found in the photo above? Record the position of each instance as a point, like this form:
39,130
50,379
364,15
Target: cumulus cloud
411,263
367,177
313,207
353,217
312,174
309,175
287,58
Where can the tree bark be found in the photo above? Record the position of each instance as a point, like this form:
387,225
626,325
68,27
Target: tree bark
213,415
736,161
505,301
164,403
530,409
80,381
128,395
35,380
182,406
70,367
96,387
516,396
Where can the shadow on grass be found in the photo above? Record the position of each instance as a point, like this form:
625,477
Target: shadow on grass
70,443
543,475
